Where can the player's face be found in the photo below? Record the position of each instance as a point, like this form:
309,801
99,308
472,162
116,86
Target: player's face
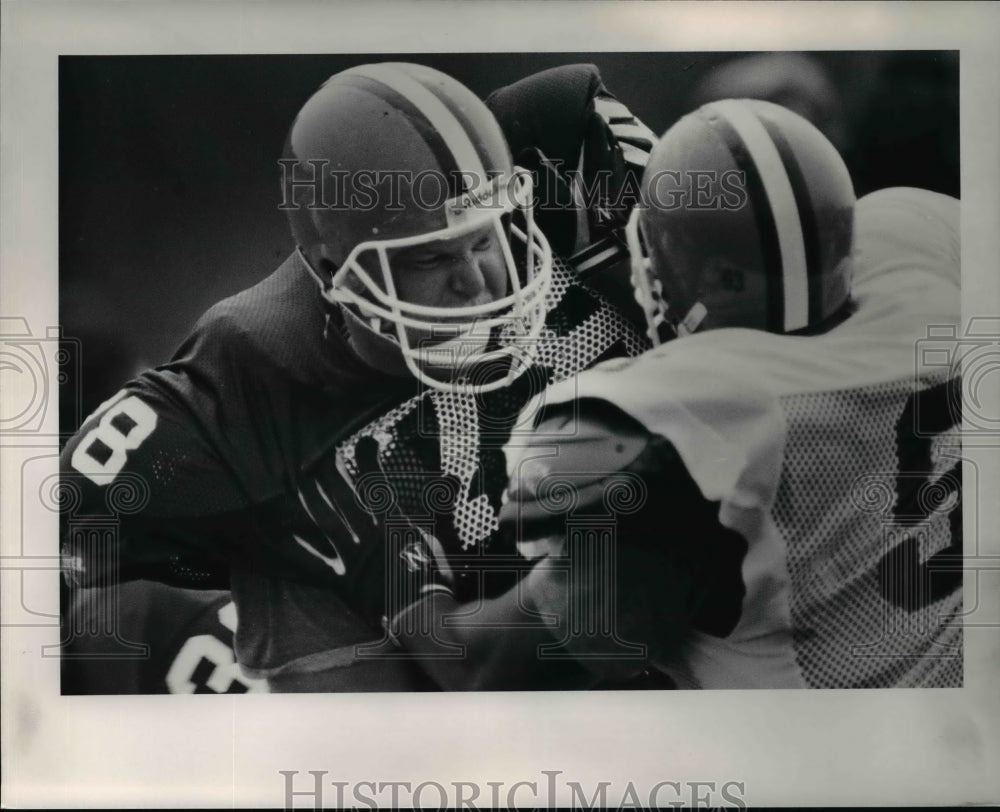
458,272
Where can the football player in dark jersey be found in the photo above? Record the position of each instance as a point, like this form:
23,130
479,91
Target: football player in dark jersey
774,498
323,438
143,637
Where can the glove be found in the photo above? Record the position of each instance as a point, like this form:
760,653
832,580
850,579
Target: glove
349,535
585,148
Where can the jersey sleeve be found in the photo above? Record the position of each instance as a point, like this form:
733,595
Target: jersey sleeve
611,481
157,481
201,468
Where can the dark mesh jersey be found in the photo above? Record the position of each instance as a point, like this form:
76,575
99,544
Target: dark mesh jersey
222,467
183,474
226,460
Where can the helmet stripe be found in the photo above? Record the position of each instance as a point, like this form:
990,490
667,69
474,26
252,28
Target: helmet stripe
767,230
784,209
466,116
442,121
431,138
807,216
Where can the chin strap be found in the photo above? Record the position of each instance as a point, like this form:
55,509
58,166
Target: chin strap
451,353
645,285
692,321
649,290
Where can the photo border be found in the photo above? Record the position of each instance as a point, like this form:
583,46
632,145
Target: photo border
789,747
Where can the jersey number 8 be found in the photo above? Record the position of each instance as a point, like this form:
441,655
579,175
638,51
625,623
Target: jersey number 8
123,427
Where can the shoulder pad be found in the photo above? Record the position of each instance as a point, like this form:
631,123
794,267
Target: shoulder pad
571,462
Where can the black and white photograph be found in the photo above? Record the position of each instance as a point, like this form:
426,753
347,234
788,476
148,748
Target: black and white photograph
422,390
373,484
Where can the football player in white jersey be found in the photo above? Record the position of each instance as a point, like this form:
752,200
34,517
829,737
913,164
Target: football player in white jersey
773,498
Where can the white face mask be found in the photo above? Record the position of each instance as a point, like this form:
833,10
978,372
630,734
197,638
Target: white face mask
649,290
457,338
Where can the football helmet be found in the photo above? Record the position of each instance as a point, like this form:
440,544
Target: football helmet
388,156
746,219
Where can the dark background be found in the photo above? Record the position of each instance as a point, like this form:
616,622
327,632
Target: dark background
169,181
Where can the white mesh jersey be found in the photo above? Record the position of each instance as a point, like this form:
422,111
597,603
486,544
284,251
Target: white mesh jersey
837,458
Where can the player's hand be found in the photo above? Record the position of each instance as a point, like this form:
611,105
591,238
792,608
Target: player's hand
584,146
415,567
